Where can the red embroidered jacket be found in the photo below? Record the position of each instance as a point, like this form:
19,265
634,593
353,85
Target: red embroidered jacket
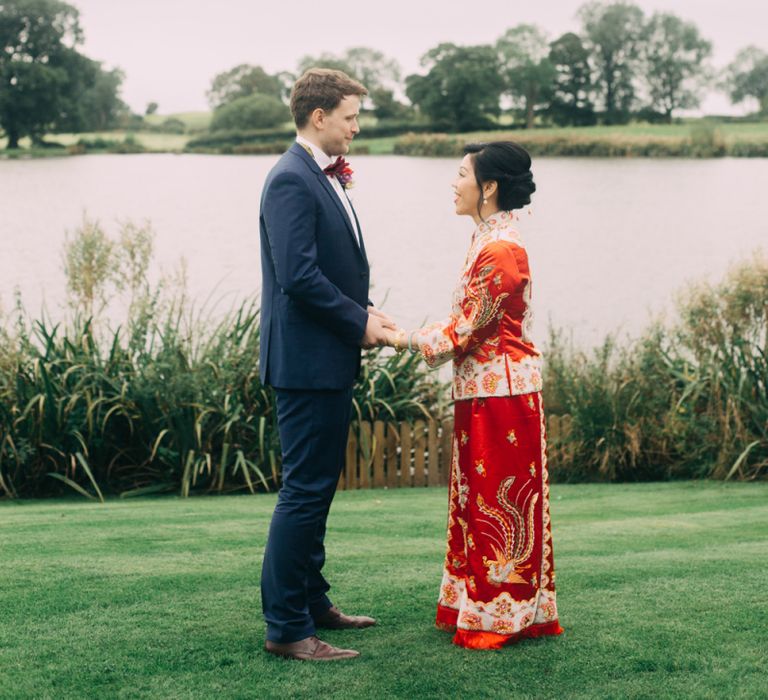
487,333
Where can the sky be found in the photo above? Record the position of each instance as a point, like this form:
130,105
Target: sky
170,50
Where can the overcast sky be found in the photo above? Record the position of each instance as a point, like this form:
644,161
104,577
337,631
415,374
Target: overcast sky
170,50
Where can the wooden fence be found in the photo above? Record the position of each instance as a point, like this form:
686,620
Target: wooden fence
401,455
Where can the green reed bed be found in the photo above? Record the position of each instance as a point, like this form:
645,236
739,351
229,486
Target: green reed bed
659,590
686,399
699,140
168,400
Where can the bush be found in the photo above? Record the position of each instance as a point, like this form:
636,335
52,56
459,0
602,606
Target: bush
704,141
128,145
172,126
440,145
254,112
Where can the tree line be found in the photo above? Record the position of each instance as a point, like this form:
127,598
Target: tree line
621,65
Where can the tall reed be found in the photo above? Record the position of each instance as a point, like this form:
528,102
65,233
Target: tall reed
687,399
170,399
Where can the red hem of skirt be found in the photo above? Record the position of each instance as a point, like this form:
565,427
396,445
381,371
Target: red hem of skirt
477,639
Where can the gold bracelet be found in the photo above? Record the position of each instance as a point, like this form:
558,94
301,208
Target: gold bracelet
397,344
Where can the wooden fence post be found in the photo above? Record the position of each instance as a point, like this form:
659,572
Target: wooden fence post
419,453
365,455
433,464
446,449
393,439
378,454
406,478
350,482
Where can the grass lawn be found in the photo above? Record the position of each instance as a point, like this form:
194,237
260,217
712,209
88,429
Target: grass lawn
662,593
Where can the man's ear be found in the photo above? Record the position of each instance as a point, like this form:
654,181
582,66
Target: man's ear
318,118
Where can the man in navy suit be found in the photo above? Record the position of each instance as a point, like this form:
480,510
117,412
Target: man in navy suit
315,317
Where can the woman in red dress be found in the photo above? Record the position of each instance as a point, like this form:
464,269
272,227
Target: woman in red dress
498,580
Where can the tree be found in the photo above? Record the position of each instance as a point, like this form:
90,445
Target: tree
674,56
98,105
325,60
254,112
613,32
37,49
379,73
570,103
462,89
747,77
243,81
385,106
528,73
372,68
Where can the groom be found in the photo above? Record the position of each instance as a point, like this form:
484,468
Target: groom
315,317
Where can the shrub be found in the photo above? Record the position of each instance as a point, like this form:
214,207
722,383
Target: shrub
704,141
254,112
172,125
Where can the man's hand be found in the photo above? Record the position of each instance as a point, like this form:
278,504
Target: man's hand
376,331
387,320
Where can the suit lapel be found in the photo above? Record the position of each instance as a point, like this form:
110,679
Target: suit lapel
357,223
328,187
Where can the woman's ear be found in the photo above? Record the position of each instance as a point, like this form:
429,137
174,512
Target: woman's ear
489,188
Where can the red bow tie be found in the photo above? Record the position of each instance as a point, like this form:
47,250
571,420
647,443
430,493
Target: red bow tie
337,168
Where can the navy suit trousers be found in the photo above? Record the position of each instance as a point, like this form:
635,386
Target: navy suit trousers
313,426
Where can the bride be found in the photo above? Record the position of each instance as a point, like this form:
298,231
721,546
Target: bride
498,580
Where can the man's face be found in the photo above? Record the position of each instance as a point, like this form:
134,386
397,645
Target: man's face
339,127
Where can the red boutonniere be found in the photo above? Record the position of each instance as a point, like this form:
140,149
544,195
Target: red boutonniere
341,171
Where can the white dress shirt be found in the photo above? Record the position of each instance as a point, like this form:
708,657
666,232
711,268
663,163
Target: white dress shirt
324,160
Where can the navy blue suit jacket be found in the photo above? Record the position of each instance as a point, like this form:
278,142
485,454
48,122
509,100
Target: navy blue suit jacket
315,279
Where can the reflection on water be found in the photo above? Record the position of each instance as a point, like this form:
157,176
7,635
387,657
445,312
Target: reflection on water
609,240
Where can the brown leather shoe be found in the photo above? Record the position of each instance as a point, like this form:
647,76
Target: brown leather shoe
334,619
310,649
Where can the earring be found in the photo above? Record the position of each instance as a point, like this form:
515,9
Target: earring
485,201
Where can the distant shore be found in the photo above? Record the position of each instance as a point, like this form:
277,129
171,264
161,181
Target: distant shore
695,139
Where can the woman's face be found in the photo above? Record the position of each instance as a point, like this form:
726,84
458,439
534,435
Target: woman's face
465,188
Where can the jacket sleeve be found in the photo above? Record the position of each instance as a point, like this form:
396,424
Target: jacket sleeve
289,215
494,275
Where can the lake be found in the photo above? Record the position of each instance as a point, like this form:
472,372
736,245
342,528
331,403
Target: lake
610,241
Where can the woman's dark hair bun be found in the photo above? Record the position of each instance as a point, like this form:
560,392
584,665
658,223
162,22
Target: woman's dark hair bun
509,164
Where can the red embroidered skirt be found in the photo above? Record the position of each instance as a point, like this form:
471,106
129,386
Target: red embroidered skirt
499,579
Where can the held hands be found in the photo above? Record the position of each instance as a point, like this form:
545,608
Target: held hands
382,330
378,329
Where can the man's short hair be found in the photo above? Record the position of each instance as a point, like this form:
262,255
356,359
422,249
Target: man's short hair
323,88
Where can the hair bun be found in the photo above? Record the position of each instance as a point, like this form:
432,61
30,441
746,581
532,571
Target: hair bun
517,190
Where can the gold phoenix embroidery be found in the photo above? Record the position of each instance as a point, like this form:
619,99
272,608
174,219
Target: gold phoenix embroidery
516,530
484,308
